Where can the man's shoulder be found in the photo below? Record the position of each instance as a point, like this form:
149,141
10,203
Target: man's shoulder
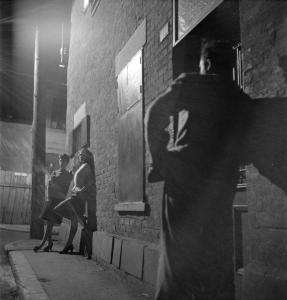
163,101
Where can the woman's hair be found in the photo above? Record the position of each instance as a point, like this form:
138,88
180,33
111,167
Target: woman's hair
89,159
220,54
65,157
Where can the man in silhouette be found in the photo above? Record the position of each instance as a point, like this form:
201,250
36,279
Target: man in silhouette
194,132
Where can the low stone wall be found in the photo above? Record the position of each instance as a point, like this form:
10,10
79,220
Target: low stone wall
135,257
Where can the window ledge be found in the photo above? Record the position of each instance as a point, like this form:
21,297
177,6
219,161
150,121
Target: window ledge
130,206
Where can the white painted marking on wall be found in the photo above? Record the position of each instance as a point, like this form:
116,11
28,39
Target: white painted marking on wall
163,32
80,114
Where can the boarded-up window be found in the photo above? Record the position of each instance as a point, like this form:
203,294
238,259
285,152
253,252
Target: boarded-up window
131,131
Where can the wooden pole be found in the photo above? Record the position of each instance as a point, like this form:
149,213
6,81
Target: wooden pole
38,149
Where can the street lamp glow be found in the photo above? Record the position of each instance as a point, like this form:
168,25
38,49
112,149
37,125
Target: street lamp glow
86,4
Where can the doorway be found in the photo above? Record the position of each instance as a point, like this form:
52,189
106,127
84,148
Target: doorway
222,23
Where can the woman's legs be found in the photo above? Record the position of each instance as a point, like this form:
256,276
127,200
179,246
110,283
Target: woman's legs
73,231
49,232
69,209
47,236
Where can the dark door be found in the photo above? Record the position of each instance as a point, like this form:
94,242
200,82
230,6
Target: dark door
222,23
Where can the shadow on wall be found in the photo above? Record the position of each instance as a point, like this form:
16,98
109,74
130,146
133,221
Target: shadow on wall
266,148
283,65
266,143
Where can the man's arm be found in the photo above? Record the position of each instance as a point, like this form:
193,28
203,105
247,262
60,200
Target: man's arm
157,137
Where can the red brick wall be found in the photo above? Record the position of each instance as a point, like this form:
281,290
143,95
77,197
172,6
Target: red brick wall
95,42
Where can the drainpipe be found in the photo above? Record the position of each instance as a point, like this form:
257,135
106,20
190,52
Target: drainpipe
38,148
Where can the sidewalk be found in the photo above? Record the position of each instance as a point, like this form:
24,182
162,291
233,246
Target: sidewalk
12,227
50,275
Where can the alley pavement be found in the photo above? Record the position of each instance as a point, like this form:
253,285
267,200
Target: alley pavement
8,288
54,276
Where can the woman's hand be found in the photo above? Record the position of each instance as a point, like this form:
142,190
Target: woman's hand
76,189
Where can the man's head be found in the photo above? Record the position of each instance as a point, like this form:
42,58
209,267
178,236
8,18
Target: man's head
216,57
63,160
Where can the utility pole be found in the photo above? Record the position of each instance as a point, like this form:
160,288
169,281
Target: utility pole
38,147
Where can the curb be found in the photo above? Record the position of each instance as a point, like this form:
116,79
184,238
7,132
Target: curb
25,228
28,286
19,228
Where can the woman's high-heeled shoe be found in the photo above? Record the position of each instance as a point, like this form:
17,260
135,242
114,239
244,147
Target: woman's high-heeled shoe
48,248
36,248
67,250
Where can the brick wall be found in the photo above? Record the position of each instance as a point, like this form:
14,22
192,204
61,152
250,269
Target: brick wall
95,42
264,40
264,34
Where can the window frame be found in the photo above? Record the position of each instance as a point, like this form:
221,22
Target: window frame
176,39
135,43
94,5
124,112
239,255
84,137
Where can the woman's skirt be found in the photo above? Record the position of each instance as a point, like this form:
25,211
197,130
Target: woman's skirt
48,213
75,204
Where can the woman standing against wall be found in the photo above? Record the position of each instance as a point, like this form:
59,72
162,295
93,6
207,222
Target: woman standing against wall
81,202
58,186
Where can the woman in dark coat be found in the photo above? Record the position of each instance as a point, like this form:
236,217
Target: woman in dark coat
83,192
58,186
